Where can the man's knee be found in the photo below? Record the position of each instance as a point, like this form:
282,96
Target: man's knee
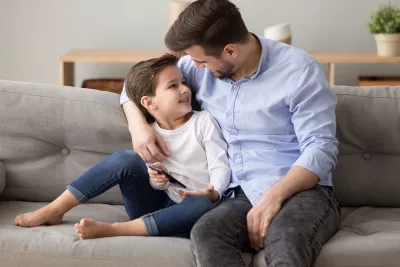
207,227
200,231
225,223
287,247
289,238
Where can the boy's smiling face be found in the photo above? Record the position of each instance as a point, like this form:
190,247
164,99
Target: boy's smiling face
172,98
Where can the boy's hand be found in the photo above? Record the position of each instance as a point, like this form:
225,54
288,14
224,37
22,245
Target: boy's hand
158,179
209,192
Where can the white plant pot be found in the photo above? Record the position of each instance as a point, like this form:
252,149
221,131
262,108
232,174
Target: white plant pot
388,45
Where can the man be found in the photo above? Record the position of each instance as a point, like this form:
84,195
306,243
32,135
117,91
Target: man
277,115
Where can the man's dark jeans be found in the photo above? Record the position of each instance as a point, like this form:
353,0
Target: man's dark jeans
296,235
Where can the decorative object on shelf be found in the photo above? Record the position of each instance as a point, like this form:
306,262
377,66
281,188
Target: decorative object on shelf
175,8
280,32
385,26
378,81
114,85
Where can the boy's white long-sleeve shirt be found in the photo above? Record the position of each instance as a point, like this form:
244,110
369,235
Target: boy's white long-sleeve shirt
198,156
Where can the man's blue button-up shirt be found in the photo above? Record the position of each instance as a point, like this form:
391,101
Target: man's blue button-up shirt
282,116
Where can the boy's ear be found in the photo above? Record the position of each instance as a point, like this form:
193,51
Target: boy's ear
147,102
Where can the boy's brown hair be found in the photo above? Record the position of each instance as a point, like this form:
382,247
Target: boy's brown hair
212,24
142,80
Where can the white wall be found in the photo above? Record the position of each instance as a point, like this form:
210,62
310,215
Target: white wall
35,33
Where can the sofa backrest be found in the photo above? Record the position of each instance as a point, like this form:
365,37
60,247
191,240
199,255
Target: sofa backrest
50,134
368,130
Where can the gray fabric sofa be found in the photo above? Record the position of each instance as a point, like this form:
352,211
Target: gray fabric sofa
51,134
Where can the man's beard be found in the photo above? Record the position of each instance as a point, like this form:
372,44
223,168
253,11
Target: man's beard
222,74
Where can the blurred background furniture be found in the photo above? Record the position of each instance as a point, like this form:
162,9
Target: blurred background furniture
68,60
378,81
123,56
333,57
279,32
174,9
113,56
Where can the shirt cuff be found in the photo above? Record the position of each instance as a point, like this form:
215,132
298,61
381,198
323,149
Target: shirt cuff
220,179
316,161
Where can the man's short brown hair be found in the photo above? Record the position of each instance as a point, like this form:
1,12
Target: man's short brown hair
212,24
142,79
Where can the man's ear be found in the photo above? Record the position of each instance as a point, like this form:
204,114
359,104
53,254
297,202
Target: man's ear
231,50
148,102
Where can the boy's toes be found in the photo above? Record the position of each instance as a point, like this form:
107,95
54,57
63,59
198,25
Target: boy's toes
85,222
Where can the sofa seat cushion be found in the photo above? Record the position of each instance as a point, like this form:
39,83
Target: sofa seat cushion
367,237
59,245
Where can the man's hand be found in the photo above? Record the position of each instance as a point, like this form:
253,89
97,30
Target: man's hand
148,143
261,215
158,179
209,192
259,219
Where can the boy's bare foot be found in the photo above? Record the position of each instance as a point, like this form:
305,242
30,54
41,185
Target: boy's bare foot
38,217
88,229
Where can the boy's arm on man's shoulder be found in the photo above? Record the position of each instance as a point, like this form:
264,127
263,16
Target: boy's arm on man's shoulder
216,152
123,97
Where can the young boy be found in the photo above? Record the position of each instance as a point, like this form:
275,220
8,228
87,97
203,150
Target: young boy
155,204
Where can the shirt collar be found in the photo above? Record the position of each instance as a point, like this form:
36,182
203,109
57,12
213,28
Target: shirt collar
261,64
263,58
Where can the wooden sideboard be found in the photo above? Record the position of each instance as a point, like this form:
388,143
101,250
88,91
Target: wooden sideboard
67,72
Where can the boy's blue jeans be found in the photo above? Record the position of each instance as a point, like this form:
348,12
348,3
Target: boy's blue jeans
161,215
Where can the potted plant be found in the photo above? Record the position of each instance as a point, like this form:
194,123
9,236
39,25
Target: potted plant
385,26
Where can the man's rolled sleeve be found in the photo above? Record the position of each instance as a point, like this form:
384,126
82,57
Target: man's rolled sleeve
313,115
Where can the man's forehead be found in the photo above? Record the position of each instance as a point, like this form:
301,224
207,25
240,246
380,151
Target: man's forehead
196,52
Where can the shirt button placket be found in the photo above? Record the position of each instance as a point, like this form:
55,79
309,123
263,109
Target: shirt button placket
229,113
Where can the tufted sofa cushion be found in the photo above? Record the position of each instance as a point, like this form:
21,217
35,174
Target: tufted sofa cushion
50,134
368,236
368,130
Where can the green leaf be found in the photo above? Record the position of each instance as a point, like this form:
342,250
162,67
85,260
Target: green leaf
385,19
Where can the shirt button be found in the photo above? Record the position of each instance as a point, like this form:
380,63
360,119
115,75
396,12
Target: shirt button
229,113
235,87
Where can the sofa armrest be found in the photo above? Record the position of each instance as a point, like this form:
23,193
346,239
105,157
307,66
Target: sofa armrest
2,177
